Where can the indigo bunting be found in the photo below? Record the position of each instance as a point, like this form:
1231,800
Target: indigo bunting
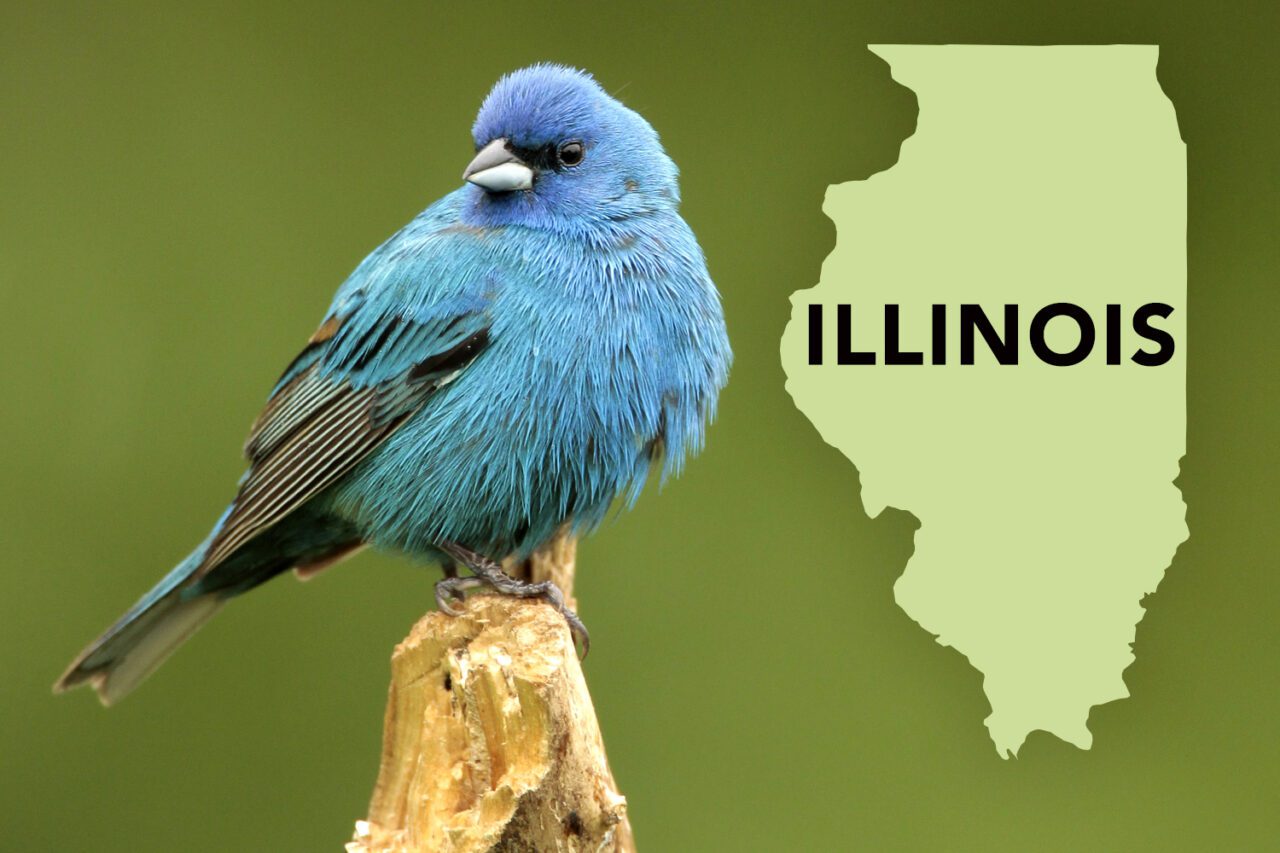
508,364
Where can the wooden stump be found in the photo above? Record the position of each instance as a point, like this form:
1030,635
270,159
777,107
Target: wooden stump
490,739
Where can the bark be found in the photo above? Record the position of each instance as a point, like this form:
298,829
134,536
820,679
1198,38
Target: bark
490,740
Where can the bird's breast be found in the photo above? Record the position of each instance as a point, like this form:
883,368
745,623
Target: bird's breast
595,361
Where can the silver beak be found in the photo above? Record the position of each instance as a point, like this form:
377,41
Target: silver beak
498,170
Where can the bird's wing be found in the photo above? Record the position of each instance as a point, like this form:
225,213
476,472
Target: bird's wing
362,374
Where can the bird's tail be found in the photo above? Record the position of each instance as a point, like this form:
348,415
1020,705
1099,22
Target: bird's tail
144,637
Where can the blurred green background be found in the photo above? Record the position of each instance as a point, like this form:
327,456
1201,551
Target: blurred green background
183,187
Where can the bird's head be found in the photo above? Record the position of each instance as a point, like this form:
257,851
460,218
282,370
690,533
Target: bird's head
553,147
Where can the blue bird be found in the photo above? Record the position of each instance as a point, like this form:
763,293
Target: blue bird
505,367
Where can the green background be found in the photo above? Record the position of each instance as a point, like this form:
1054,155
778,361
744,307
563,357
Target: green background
181,189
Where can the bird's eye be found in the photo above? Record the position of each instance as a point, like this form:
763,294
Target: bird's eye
570,153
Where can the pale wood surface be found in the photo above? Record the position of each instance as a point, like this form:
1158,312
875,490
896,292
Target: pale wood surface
490,739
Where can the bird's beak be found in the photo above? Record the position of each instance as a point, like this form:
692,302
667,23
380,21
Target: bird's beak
498,170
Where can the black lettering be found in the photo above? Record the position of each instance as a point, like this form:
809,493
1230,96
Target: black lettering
939,321
892,351
844,339
1113,334
815,334
1160,337
1005,348
1041,321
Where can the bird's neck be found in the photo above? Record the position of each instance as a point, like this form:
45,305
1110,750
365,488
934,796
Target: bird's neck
558,218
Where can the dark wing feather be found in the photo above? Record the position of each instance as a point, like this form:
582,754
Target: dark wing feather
299,399
354,385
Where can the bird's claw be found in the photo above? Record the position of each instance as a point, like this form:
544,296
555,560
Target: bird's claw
490,574
453,588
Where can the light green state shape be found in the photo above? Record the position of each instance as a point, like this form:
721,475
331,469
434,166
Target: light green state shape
1045,494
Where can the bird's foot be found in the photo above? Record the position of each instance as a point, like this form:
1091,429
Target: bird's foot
490,574
454,588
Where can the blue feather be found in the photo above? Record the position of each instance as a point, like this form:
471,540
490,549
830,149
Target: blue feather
508,364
